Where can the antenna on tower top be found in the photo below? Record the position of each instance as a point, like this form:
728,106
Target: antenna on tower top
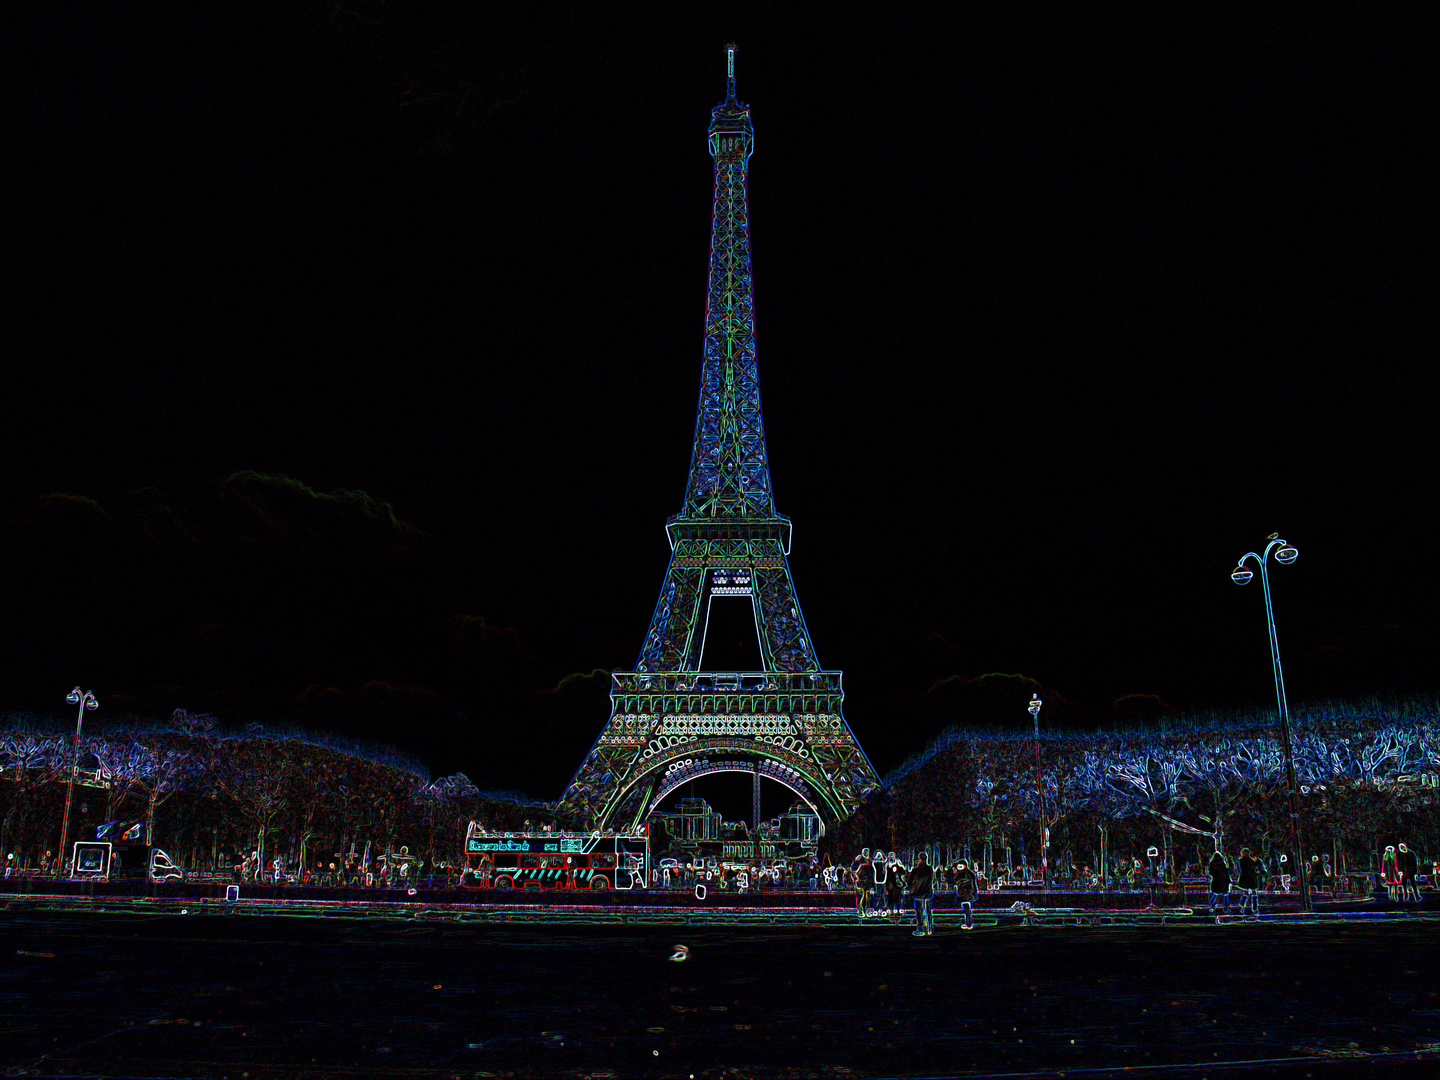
729,73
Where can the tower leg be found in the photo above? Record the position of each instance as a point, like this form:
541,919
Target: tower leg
755,800
642,809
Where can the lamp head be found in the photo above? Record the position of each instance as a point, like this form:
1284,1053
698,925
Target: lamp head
1286,554
73,696
91,703
1034,705
1241,576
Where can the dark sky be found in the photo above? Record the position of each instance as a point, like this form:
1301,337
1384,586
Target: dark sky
356,350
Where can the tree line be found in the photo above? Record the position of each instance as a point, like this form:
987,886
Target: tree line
1365,772
214,798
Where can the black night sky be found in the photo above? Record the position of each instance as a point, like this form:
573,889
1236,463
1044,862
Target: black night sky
355,351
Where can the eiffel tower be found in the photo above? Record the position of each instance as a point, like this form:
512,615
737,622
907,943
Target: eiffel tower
671,720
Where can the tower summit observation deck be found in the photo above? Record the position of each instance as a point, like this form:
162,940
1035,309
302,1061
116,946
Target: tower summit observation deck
673,720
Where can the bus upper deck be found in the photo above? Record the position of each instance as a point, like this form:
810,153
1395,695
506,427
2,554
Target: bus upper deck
500,860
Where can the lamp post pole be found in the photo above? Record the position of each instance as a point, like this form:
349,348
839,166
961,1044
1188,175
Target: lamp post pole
85,700
1034,708
1284,554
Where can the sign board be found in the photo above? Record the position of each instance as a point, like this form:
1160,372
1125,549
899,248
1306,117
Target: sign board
477,845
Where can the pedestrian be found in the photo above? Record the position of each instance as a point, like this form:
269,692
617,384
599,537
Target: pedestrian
1408,866
896,891
1219,882
865,888
921,879
967,893
1249,875
882,882
854,878
1390,871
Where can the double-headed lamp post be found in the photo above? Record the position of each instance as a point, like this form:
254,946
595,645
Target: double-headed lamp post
1241,575
85,700
1034,708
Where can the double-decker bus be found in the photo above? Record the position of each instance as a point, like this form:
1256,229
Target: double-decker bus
498,860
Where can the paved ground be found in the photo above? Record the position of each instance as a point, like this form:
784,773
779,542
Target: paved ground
253,997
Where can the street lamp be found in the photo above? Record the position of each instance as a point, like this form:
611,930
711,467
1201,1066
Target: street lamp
1241,575
85,700
1034,708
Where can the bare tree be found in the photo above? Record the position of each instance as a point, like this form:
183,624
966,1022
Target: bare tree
31,760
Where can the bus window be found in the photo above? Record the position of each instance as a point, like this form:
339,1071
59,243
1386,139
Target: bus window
603,860
529,861
580,861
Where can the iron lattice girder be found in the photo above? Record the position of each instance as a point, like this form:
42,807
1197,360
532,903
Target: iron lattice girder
697,566
727,541
729,468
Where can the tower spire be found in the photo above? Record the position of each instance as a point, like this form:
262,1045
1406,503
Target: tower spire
729,470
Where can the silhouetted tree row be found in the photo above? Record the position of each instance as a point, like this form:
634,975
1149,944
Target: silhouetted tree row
214,798
1198,784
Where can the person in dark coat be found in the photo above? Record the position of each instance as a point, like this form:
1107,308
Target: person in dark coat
921,886
1409,866
967,893
1249,881
865,885
895,890
1219,882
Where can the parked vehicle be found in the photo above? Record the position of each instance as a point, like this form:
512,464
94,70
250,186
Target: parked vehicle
100,860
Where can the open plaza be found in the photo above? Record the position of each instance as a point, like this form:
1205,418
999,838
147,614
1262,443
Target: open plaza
171,988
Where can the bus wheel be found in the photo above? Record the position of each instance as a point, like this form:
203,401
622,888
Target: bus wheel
599,884
504,882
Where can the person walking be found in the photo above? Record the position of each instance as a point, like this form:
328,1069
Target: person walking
1408,866
1249,875
921,882
967,893
854,878
895,890
882,881
1390,871
1219,882
865,888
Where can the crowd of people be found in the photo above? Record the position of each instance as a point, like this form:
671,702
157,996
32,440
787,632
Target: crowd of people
882,883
